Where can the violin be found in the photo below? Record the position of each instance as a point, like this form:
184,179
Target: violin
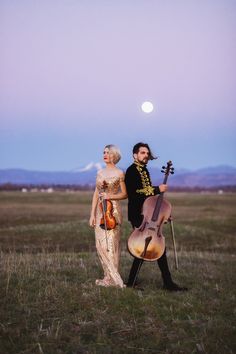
107,221
147,241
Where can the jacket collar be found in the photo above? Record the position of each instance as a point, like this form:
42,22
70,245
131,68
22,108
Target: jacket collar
139,164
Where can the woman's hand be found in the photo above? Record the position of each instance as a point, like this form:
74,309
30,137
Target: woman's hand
104,195
92,221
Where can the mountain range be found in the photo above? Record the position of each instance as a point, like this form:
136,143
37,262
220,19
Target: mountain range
204,178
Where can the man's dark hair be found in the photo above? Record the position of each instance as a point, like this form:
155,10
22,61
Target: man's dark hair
139,145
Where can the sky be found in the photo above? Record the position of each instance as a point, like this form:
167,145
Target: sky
74,74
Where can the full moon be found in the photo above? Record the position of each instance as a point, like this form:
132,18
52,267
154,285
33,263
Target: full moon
147,107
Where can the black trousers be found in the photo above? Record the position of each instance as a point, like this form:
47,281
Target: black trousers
137,264
163,265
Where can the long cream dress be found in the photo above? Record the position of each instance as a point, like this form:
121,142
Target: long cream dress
108,242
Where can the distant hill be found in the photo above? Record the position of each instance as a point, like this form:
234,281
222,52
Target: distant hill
206,177
20,176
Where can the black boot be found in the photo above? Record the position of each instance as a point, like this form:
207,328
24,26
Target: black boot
166,276
174,287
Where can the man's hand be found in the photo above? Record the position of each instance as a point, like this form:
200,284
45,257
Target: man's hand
163,187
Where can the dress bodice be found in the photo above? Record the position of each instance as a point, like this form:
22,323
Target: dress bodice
108,181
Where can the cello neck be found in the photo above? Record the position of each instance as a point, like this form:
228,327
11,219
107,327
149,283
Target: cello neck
157,207
167,170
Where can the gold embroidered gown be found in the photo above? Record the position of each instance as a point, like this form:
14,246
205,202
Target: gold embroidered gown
108,242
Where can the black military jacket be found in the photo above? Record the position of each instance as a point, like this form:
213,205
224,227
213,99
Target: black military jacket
139,187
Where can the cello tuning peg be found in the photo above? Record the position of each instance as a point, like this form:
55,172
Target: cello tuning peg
162,171
172,172
163,167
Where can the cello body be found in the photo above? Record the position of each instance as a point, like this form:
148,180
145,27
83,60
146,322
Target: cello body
147,241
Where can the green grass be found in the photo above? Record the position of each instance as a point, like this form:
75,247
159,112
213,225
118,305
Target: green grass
49,303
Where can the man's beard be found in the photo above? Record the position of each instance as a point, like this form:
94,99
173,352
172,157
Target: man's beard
145,161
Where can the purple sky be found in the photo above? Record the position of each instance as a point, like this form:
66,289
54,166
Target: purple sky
74,75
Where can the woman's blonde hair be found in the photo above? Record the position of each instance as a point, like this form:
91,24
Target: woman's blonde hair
115,151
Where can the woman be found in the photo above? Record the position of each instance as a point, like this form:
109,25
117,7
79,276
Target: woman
110,188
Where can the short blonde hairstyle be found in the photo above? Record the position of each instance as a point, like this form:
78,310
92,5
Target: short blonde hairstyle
115,151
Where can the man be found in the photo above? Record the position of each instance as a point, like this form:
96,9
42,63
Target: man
139,187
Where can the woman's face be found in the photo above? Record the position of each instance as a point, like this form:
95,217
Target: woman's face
107,156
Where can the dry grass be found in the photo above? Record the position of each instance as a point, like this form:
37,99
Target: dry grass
49,303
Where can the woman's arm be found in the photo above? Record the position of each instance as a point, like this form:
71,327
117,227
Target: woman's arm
122,194
93,208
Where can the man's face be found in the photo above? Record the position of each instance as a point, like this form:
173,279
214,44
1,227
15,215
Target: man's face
142,156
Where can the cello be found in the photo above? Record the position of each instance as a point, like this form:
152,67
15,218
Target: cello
147,241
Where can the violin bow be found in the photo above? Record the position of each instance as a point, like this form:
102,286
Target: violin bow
104,216
173,240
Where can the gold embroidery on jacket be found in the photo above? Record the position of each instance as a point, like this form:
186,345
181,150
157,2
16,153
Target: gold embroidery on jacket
148,190
146,183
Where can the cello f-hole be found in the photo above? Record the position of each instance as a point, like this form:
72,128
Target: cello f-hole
147,241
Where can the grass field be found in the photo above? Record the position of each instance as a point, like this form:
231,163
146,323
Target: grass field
50,305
